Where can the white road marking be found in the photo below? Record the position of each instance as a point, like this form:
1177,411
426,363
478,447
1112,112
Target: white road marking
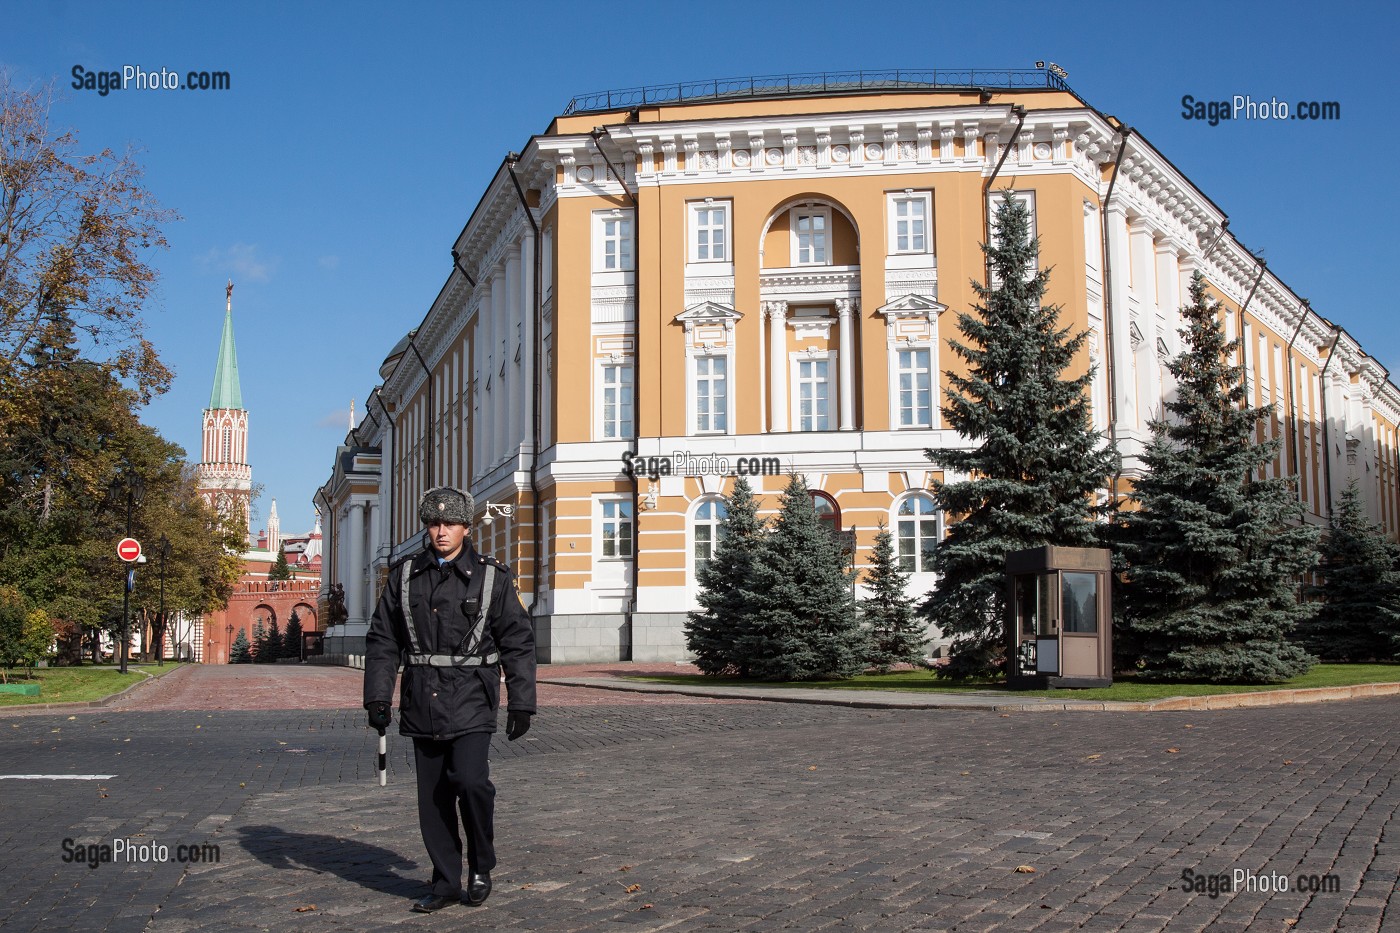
56,777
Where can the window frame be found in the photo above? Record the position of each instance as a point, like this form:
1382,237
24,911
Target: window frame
622,505
716,523
910,196
795,361
601,239
695,376
795,215
896,518
896,394
601,406
694,209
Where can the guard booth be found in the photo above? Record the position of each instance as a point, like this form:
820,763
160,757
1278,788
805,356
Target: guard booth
1060,621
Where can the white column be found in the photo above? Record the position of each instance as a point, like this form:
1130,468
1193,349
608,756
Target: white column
513,313
777,320
527,340
1142,250
1124,373
375,539
354,578
845,313
499,341
1169,304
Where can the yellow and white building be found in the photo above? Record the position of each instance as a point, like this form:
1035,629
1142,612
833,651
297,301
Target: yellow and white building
757,273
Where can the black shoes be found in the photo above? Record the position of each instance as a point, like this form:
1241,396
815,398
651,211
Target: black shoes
478,888
431,902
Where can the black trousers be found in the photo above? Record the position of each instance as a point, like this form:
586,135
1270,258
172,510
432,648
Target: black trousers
454,776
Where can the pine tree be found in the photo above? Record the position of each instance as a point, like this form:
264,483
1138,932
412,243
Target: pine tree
1214,552
1358,618
1037,462
802,621
272,646
258,648
241,652
280,571
291,641
895,633
712,632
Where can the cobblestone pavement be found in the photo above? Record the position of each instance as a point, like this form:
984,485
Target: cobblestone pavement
311,686
734,816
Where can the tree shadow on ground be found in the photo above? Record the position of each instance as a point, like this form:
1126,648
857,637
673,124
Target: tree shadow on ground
367,865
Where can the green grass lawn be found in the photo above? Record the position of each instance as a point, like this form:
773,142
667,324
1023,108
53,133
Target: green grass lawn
77,684
1124,688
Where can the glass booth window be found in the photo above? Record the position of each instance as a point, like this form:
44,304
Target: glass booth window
1079,594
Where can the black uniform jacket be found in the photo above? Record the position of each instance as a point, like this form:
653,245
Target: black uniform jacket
445,702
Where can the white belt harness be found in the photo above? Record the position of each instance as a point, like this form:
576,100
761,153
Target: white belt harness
416,655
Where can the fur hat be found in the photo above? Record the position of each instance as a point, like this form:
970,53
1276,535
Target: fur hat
445,504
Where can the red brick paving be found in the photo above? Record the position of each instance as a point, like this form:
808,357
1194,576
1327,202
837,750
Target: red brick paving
314,686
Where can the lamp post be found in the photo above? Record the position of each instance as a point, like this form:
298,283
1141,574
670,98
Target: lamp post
160,629
230,642
134,487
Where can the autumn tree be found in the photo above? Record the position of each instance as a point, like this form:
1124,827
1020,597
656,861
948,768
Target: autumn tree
75,230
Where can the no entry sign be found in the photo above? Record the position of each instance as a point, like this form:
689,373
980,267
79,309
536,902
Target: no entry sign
129,550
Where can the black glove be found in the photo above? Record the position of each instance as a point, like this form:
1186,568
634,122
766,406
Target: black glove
379,717
517,724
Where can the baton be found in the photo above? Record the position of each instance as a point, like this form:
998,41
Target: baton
383,759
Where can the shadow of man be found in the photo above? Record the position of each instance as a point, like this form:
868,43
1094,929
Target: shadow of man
367,865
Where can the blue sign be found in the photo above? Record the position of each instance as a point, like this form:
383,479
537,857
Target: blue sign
131,579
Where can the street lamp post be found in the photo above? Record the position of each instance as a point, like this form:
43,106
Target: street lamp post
229,629
135,490
160,637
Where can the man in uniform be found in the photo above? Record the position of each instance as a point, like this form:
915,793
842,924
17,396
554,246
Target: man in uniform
453,619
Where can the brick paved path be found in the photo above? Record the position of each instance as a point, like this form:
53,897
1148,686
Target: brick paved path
312,686
740,816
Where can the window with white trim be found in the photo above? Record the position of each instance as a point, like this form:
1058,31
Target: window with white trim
709,231
612,241
915,379
707,531
616,400
916,533
711,394
909,219
813,396
615,529
811,236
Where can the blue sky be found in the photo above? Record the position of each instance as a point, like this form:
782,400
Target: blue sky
331,179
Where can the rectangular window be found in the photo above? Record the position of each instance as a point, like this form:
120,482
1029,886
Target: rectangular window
915,392
614,242
617,529
711,394
709,241
811,231
910,216
617,401
813,395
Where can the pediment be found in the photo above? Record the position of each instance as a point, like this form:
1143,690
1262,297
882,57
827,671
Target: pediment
912,306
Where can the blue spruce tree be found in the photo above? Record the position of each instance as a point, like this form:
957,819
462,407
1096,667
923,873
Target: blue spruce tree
1035,464
1214,552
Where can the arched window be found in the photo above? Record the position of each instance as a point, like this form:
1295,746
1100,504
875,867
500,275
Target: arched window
916,532
707,531
828,512
227,455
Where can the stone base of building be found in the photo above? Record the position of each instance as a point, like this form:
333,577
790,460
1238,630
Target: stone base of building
597,637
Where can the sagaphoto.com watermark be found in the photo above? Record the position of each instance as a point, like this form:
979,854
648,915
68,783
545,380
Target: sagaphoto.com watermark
125,851
1239,880
1245,107
684,463
135,77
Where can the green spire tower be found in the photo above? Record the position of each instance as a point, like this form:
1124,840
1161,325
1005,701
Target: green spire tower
225,477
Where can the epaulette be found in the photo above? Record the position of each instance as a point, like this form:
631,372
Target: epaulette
483,559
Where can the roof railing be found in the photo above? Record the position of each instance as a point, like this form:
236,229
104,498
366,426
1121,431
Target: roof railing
813,84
